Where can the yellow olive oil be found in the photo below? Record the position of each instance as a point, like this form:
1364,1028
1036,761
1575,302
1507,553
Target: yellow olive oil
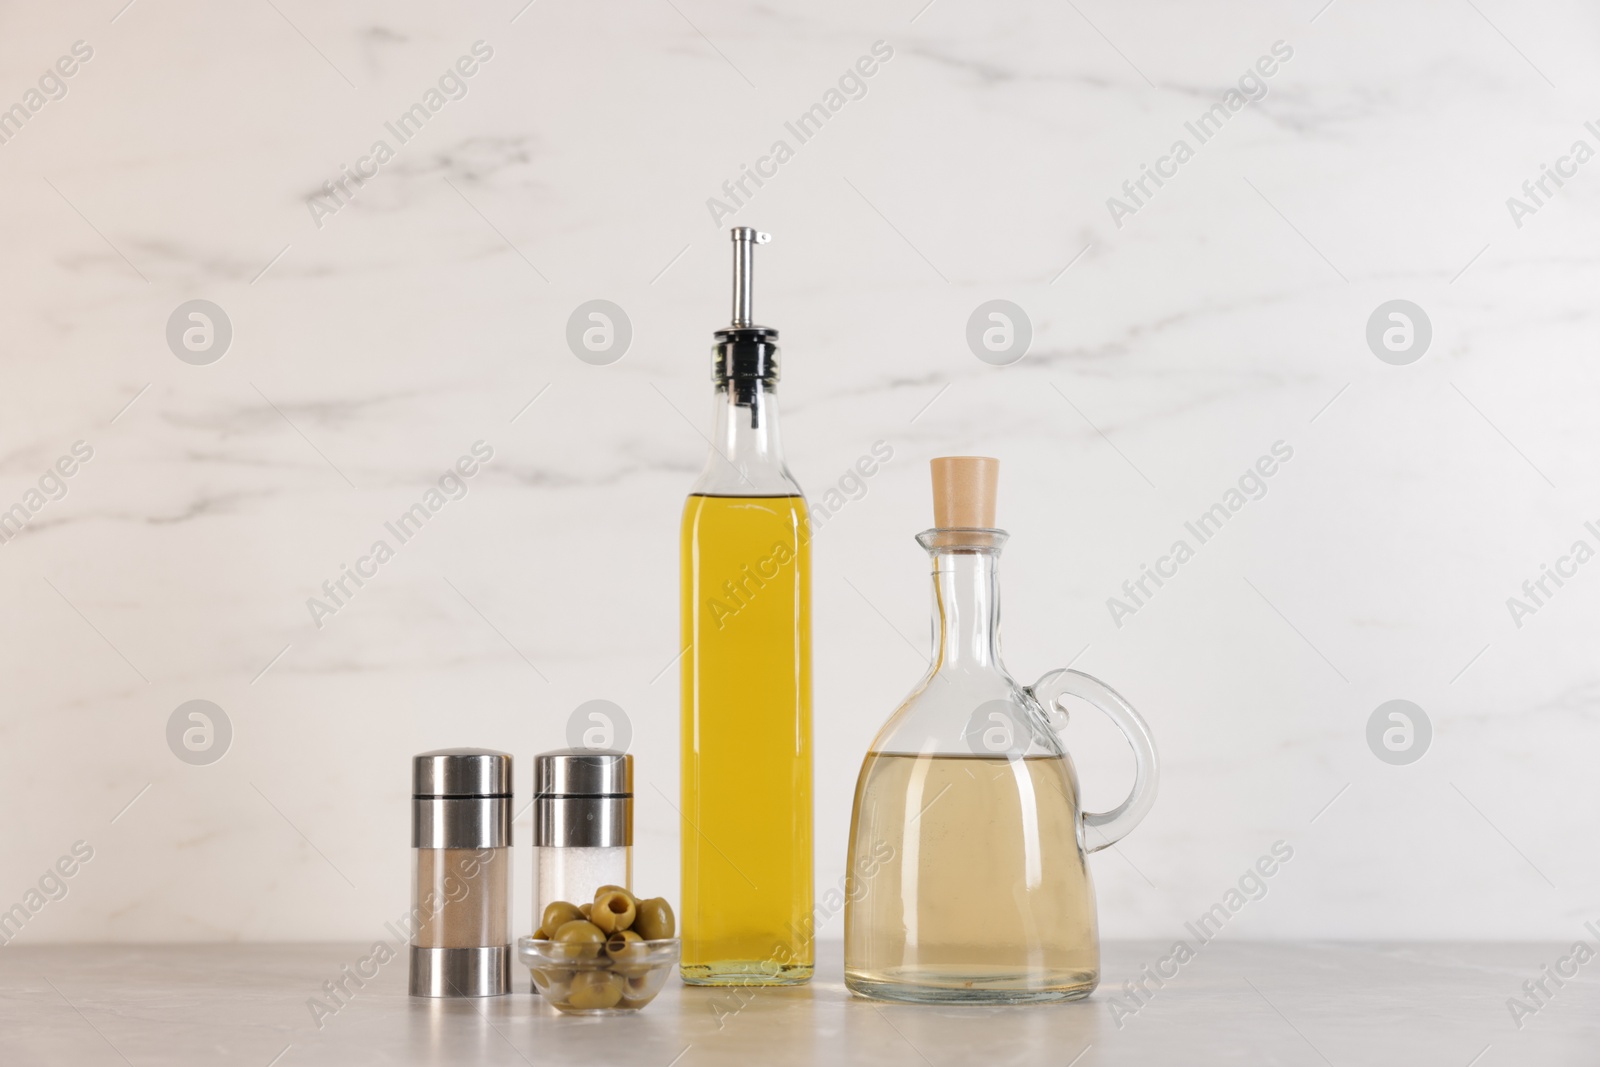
746,745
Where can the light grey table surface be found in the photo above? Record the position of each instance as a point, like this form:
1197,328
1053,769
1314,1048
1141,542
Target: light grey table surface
1239,1003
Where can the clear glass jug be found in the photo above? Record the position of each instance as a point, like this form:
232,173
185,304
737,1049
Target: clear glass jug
967,872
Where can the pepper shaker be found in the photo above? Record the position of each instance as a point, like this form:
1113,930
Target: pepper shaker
461,873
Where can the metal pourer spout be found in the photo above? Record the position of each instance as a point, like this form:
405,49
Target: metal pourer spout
744,356
745,238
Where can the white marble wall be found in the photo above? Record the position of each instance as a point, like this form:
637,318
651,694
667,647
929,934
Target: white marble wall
368,353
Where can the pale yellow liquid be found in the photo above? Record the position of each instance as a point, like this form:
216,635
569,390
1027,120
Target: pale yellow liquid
746,745
968,883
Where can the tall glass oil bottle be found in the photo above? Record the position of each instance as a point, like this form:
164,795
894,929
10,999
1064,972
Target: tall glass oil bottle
746,678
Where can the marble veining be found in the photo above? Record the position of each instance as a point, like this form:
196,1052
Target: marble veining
1228,313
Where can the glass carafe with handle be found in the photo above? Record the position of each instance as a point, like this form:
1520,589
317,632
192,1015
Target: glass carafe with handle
968,874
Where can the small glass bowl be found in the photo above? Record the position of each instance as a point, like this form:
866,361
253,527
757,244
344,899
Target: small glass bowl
583,980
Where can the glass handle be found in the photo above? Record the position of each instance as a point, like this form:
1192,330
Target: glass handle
1108,827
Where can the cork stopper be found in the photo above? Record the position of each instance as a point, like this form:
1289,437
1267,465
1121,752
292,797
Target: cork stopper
964,491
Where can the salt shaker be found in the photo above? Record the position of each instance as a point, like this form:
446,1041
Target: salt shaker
461,883
582,825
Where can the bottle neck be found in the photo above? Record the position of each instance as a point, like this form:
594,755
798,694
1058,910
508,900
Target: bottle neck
966,609
745,423
746,450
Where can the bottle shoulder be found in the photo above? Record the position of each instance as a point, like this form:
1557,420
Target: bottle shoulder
968,713
739,514
722,478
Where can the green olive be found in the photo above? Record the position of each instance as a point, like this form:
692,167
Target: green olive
553,984
629,957
584,909
638,990
654,920
594,989
579,939
556,913
613,911
541,934
618,945
624,890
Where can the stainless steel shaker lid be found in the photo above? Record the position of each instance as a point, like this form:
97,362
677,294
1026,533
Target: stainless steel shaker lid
583,798
461,772
582,772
